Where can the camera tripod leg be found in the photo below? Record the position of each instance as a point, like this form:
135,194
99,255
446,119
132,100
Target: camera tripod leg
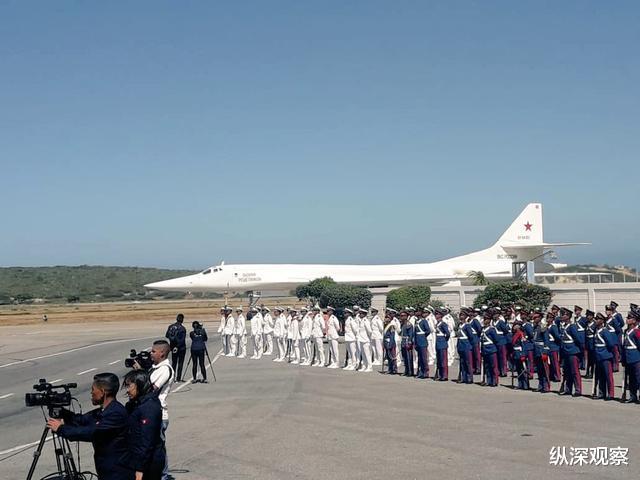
210,364
186,369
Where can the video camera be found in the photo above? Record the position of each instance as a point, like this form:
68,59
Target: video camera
48,396
143,358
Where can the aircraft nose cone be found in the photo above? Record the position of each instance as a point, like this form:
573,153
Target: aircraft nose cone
175,284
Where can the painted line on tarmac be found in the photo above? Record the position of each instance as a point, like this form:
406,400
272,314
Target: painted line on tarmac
215,359
18,362
57,380
7,395
87,371
115,361
20,447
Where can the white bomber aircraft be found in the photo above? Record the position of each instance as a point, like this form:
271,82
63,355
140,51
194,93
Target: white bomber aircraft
521,242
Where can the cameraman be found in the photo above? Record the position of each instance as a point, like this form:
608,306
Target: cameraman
198,347
177,335
161,376
105,427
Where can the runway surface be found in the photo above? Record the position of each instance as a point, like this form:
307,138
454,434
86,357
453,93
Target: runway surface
278,421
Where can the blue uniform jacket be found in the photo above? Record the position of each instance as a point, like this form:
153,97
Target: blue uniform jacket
540,341
421,332
407,335
590,333
581,326
390,338
476,327
553,338
179,338
145,448
442,335
570,342
605,340
489,340
527,329
465,333
107,431
630,346
502,331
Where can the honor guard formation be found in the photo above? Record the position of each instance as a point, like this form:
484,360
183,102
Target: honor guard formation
559,345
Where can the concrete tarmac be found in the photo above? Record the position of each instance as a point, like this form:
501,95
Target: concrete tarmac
270,420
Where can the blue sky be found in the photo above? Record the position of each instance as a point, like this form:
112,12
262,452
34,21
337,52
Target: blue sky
180,134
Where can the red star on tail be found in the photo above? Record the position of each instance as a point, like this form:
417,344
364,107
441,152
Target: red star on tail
528,226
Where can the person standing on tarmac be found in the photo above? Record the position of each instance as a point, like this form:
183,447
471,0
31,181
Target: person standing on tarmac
177,335
198,347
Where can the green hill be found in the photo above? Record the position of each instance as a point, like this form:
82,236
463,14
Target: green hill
81,284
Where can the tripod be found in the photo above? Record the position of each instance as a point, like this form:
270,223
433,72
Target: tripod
206,351
64,457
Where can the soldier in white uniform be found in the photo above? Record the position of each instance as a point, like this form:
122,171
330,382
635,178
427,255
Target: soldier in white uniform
223,322
431,339
364,341
333,333
279,333
306,325
267,330
317,334
377,331
453,340
229,328
293,335
256,333
350,336
396,332
240,333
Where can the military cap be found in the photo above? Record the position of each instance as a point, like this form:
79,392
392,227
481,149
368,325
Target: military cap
348,310
304,309
329,307
441,311
555,307
518,308
633,314
392,310
577,307
316,307
633,306
589,313
565,311
278,309
600,316
239,308
613,304
265,309
374,309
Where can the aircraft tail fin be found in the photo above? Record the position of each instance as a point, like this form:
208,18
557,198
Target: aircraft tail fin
526,229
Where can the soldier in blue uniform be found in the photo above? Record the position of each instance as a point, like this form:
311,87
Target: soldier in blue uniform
569,350
502,330
540,352
476,327
465,347
390,349
553,344
590,333
581,326
615,323
407,344
519,356
421,332
604,342
631,355
442,344
488,340
527,329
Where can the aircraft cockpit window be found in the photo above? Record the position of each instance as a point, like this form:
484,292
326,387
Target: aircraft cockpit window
208,270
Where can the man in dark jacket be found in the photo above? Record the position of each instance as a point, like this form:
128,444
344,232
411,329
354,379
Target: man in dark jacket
198,348
177,335
105,427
